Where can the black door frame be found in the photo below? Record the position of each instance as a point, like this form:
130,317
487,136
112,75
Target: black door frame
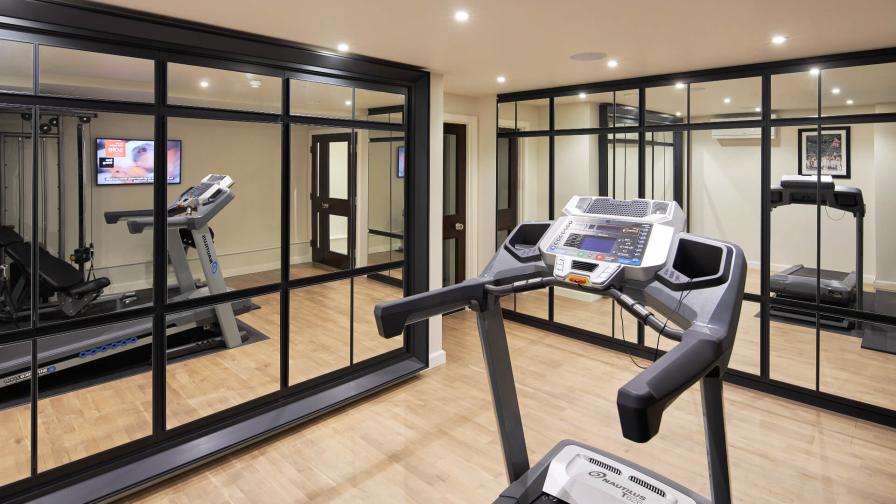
324,206
506,218
450,222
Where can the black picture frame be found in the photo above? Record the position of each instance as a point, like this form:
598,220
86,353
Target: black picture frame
844,132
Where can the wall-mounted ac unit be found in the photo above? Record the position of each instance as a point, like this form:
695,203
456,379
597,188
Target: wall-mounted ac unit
739,133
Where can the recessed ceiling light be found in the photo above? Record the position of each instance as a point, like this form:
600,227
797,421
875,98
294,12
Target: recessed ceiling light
461,16
835,90
678,114
255,83
849,102
612,63
779,39
727,100
203,83
582,95
348,103
679,85
814,71
342,47
501,79
588,56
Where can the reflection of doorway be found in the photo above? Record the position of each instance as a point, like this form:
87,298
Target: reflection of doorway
332,174
508,177
454,201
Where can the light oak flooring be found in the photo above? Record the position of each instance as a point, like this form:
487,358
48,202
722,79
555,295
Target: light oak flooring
435,434
92,419
433,439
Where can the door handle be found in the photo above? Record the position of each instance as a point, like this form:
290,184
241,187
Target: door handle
325,205
459,226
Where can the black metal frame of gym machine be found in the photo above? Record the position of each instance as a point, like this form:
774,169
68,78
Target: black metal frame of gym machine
167,451
764,71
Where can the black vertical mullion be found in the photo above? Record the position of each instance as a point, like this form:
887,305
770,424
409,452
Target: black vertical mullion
818,237
765,177
159,252
285,223
552,186
642,166
352,231
34,276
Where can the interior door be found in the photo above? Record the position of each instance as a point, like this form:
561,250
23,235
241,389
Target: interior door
508,176
332,178
454,201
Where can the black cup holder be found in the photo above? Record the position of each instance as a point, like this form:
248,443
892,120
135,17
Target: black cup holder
696,264
523,241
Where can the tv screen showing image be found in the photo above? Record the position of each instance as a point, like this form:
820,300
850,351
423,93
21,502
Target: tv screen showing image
401,162
130,162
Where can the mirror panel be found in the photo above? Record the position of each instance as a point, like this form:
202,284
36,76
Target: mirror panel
320,100
197,86
320,329
85,74
866,89
16,67
15,412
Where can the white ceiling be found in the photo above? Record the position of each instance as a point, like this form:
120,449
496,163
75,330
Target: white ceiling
530,41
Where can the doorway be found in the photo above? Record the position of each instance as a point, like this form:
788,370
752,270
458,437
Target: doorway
454,202
332,177
508,177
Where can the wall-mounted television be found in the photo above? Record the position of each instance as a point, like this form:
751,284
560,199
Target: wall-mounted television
129,162
400,156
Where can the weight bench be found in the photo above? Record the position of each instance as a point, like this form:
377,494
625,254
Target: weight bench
56,276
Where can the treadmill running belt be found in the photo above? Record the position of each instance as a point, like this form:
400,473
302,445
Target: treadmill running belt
836,276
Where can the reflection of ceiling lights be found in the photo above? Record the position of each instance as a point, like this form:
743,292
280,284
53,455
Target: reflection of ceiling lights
342,47
461,16
612,63
814,71
679,85
835,90
758,109
849,102
588,56
678,114
726,100
254,83
348,103
203,84
779,39
582,95
501,79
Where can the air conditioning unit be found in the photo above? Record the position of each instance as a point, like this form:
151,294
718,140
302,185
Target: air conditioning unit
739,133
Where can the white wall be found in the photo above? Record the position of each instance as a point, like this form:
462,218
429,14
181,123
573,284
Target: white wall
725,201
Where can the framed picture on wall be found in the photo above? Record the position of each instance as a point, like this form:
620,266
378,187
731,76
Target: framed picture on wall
834,160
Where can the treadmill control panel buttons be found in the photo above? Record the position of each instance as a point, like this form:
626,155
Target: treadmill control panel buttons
605,240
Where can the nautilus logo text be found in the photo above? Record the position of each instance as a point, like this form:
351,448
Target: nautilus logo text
597,474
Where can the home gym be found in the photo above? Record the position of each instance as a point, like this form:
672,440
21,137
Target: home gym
493,251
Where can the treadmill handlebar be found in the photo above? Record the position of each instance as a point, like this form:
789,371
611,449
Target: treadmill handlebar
393,316
642,400
116,215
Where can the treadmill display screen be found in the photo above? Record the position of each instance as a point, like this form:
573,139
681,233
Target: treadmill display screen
597,244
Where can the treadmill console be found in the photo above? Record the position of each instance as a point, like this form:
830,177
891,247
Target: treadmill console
206,191
600,241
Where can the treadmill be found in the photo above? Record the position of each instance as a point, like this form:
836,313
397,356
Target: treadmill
188,225
798,282
636,253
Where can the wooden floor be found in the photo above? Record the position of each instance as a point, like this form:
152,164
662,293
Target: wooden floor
433,439
92,419
846,369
